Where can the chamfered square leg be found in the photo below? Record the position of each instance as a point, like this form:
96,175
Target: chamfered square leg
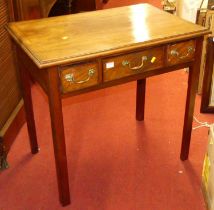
190,101
140,99
57,125
27,96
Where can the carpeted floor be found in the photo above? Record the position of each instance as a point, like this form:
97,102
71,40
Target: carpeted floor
115,162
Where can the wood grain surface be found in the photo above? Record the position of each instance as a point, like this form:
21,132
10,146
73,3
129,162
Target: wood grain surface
64,39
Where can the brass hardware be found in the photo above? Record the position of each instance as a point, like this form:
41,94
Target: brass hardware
3,157
174,53
127,63
124,63
190,50
70,77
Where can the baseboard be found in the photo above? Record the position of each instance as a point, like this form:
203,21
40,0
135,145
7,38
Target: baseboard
11,128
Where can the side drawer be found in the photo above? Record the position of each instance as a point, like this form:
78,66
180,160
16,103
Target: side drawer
180,52
78,76
133,63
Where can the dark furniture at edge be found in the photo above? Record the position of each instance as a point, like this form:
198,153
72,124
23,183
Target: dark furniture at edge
206,106
11,104
34,9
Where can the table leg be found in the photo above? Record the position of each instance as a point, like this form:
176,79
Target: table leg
190,101
55,106
26,92
140,99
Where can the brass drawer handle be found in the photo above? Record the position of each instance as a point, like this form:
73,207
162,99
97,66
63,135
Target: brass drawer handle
127,63
190,50
70,77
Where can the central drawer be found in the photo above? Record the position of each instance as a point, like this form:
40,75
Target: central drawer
134,63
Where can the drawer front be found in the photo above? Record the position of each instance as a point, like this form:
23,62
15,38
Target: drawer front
133,63
180,52
79,76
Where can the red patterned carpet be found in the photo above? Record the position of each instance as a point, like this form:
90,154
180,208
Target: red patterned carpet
115,162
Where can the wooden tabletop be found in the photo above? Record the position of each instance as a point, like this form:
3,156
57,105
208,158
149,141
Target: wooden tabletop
69,38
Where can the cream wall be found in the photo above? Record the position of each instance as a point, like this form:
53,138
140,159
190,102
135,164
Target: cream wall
187,9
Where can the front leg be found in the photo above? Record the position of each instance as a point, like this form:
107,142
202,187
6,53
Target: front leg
58,136
190,100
